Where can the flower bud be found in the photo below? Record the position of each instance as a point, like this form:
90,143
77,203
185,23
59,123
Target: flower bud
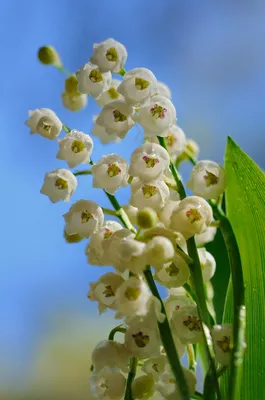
143,387
191,150
159,251
146,218
76,238
48,55
71,84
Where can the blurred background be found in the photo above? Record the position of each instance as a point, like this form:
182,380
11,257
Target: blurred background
212,56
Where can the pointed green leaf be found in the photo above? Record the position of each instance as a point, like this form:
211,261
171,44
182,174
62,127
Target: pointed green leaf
246,210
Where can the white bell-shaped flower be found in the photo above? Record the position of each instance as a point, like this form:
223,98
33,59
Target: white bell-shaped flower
108,384
222,341
143,387
155,366
102,134
132,298
125,252
172,203
59,184
149,162
104,290
208,264
180,291
153,194
192,216
116,118
187,324
205,237
110,173
174,302
74,101
173,274
109,353
84,218
207,179
92,81
111,94
157,116
76,148
163,90
97,248
142,338
159,250
138,86
44,122
168,387
131,213
175,141
109,55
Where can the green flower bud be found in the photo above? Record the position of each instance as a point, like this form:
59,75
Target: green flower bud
48,55
72,238
147,218
143,387
71,84
191,150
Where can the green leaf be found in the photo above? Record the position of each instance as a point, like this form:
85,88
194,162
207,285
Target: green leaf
246,210
221,276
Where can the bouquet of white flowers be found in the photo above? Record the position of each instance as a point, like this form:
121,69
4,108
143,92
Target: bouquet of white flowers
159,237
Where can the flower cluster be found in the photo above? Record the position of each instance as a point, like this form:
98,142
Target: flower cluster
153,227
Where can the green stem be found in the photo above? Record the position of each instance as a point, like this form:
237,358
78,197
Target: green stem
122,72
239,312
168,341
66,128
85,172
109,212
196,277
173,169
63,70
130,379
118,328
191,357
120,213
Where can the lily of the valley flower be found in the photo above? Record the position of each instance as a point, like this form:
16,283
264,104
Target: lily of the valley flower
110,173
76,148
109,55
84,218
44,122
59,184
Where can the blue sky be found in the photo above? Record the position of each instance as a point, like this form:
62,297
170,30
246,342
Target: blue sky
212,56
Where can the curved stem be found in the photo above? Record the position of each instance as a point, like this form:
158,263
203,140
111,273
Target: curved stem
168,341
118,328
